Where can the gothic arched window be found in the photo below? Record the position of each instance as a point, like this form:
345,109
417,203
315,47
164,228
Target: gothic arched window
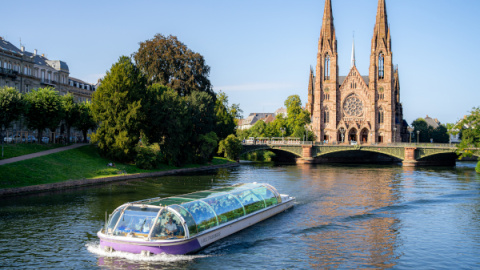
326,116
381,66
327,68
380,115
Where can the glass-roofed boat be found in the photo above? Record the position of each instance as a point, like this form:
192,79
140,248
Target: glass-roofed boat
186,223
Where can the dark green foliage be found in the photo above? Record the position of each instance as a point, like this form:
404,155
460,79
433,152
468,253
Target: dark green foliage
84,120
259,156
148,157
12,106
439,134
167,61
45,110
117,107
207,144
470,130
226,116
71,110
230,147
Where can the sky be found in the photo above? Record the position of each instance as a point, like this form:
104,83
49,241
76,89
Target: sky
260,51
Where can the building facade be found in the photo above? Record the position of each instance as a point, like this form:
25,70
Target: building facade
28,70
356,108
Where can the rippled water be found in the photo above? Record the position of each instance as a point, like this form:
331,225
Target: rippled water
354,216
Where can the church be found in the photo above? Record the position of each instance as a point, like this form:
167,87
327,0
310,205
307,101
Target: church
356,109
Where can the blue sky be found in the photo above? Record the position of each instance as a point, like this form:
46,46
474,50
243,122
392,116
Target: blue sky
260,51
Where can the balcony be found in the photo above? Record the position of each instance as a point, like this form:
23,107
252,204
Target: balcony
8,72
49,82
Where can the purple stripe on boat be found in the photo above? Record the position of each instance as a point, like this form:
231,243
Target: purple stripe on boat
185,248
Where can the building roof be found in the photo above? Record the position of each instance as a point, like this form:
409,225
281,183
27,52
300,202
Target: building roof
432,122
9,47
341,79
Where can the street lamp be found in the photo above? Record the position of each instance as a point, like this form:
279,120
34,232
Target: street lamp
410,129
418,136
282,129
394,134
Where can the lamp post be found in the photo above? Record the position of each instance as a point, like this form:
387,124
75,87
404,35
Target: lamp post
282,129
394,134
418,136
410,129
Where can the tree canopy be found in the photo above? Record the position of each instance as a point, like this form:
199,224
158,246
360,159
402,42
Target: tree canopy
116,107
470,127
12,106
428,133
169,62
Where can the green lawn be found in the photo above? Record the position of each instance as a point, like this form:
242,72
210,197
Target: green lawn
11,150
79,163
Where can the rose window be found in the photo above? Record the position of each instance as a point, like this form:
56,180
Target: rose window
353,106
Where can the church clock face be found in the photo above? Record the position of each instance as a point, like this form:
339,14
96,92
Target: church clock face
353,106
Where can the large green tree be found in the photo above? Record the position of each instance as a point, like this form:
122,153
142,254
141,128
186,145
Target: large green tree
84,120
45,110
470,144
117,107
298,118
427,133
230,147
167,61
226,116
168,123
12,106
71,110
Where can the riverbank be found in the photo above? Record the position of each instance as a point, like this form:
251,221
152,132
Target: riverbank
82,166
103,180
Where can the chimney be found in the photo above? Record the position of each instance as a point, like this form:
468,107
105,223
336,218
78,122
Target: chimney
22,48
35,52
43,55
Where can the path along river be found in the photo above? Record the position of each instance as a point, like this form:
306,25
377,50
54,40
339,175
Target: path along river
346,216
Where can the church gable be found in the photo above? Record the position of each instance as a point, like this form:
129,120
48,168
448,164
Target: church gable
354,82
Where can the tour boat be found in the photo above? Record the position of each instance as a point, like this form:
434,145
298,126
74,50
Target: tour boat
187,223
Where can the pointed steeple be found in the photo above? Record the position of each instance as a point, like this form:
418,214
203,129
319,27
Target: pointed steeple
381,31
353,52
327,33
311,91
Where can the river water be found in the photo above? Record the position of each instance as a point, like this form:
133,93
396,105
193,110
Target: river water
346,216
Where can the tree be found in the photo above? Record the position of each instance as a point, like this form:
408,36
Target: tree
439,134
167,61
207,145
45,110
230,147
297,117
117,107
421,125
71,110
84,120
168,123
12,107
470,144
226,117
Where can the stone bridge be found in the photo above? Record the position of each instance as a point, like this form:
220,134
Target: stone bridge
409,154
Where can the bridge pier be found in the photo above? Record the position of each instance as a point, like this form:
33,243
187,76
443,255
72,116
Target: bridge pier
410,160
306,155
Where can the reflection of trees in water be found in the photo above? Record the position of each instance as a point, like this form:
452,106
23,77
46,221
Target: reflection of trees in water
354,200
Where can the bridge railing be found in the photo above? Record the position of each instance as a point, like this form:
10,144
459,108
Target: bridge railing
298,142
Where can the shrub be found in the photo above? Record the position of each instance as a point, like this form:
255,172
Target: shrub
478,167
148,157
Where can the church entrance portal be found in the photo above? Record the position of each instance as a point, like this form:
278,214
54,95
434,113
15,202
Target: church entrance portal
352,135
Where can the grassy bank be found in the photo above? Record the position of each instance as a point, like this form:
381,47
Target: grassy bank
11,150
84,162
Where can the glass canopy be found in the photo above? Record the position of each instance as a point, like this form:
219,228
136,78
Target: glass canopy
189,214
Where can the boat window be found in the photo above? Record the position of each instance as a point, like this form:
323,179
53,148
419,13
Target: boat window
168,226
227,207
202,214
192,226
272,189
267,195
250,201
136,221
113,219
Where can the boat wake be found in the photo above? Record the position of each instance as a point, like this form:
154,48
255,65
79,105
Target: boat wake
96,249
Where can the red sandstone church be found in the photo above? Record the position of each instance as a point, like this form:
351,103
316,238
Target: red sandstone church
356,108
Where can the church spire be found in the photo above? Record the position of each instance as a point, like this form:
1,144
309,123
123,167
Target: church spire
381,31
353,52
327,34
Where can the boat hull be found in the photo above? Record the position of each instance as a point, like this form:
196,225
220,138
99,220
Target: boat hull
195,243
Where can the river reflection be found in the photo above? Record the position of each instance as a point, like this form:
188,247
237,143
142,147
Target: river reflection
346,216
